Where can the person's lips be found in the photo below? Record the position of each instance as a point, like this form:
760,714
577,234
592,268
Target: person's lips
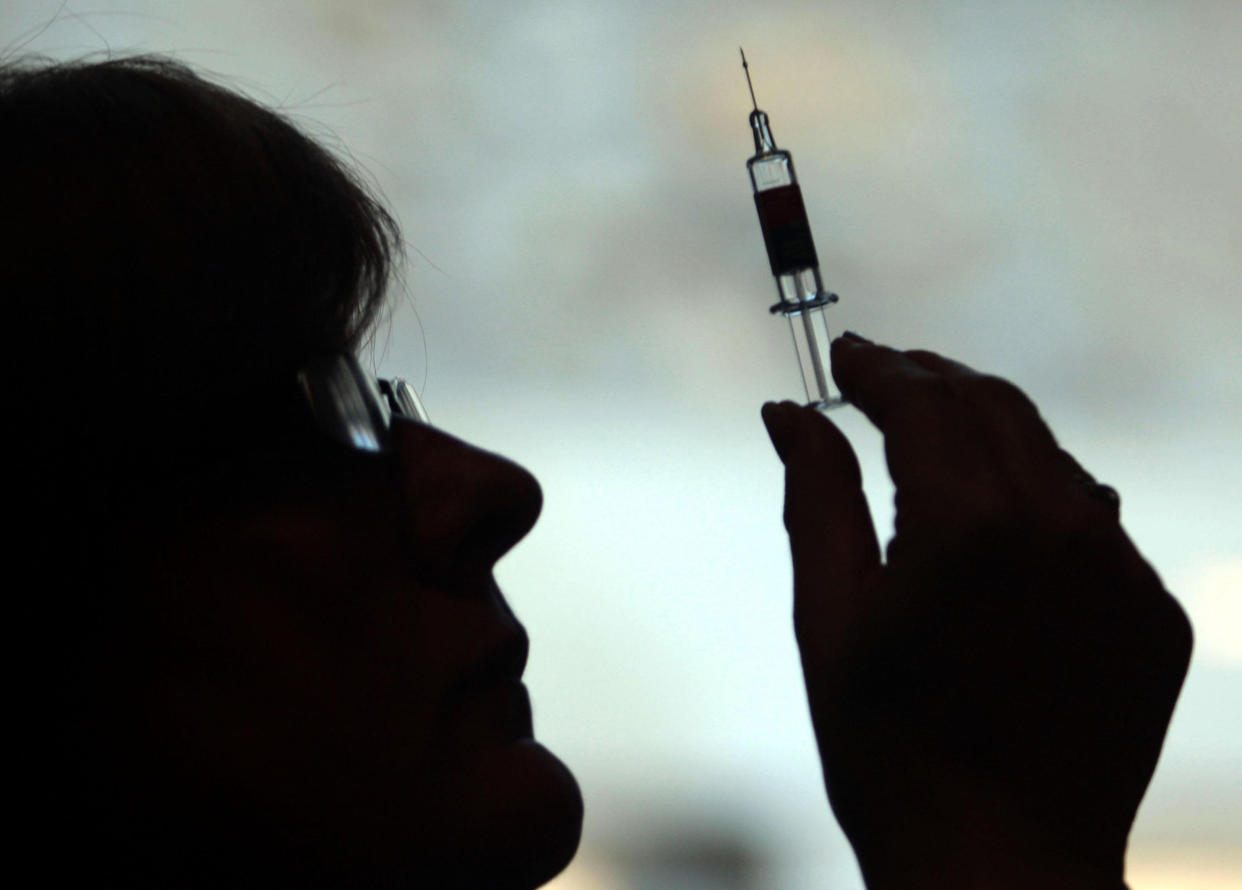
489,703
500,714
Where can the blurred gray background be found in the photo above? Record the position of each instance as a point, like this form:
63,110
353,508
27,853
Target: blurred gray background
1049,191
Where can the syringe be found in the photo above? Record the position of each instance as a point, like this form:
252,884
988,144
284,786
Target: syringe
791,253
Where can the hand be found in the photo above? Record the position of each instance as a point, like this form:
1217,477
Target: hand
990,700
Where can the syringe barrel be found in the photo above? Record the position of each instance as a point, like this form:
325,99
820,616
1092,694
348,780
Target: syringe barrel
792,257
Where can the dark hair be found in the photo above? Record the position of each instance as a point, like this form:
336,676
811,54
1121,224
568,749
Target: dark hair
171,253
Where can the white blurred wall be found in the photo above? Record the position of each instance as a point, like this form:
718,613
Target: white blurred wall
1048,191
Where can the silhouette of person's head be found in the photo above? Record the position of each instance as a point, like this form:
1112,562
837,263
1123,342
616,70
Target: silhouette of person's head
260,657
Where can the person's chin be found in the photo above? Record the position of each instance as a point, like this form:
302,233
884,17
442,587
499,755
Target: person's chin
513,817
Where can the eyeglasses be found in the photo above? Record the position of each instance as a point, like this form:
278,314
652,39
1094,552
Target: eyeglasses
353,408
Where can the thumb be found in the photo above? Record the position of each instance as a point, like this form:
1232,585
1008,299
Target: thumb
831,535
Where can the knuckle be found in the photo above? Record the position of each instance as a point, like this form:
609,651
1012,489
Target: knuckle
937,388
803,632
1181,631
924,355
922,398
997,393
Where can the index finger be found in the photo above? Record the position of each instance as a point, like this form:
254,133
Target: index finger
885,383
931,440
879,380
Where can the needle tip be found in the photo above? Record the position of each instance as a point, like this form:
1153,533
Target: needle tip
749,85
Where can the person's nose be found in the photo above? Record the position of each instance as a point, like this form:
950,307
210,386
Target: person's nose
466,507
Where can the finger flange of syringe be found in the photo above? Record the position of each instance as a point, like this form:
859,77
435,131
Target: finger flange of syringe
791,254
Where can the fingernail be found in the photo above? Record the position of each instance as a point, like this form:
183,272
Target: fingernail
776,418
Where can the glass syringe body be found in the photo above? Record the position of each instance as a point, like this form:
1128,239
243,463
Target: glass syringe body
791,254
